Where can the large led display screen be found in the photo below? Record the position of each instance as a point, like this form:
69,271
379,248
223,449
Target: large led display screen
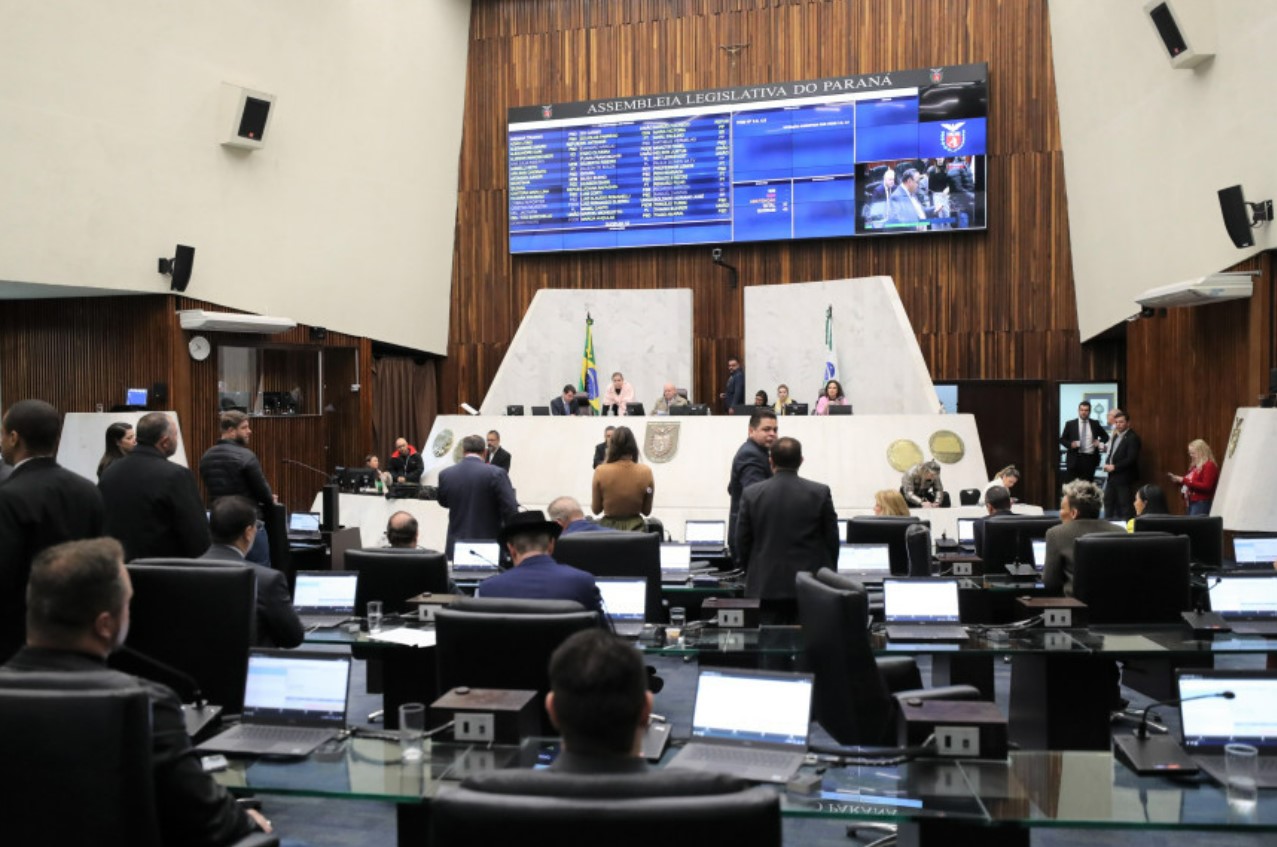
878,154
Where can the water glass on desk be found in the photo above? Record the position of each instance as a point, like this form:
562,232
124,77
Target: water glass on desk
1241,762
412,728
678,619
374,616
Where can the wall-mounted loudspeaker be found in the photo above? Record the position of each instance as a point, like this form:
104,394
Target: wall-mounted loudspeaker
1241,217
245,117
1186,30
179,267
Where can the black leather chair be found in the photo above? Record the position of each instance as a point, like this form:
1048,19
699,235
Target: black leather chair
199,619
1004,540
881,529
969,496
617,554
491,642
393,577
1132,579
918,549
854,697
589,810
77,752
1205,534
275,517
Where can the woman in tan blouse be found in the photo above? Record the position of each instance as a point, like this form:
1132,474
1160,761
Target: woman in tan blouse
622,487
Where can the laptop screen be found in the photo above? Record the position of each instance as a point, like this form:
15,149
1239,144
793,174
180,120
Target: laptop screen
920,600
752,707
1039,552
864,558
325,591
712,533
303,522
135,397
675,556
966,530
1254,550
624,599
475,554
1248,718
1249,597
300,689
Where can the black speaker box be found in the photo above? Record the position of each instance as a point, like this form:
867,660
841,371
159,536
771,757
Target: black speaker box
1168,29
159,394
181,267
1232,204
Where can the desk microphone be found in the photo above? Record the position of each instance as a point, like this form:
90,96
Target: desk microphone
190,683
1204,623
481,557
1147,754
323,473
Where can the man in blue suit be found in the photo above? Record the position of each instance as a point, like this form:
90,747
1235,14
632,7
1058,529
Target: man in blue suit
478,496
530,537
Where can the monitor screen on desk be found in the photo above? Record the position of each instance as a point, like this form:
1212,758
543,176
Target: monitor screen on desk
475,554
135,397
1254,550
966,531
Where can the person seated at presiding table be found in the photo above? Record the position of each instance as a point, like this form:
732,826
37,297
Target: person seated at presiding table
617,394
373,463
530,538
831,396
921,486
565,403
670,398
623,487
782,399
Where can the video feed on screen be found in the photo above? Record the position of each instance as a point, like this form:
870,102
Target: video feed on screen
921,195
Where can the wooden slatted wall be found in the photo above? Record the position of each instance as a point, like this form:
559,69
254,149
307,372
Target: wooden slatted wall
997,305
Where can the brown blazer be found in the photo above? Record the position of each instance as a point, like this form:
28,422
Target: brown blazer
622,489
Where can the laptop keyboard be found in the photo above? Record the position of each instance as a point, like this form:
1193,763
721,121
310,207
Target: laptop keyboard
899,632
321,621
740,756
268,734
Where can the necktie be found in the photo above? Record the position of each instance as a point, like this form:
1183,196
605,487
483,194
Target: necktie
1086,435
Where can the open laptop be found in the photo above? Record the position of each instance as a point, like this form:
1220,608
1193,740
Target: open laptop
475,558
865,562
749,724
1248,604
922,610
294,701
1254,551
708,538
1247,718
676,562
966,533
625,603
303,526
325,598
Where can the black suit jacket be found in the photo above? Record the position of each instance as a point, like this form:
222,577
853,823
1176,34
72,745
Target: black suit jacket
41,504
1071,433
787,524
193,809
153,507
600,453
478,498
277,621
501,459
1125,459
558,407
749,465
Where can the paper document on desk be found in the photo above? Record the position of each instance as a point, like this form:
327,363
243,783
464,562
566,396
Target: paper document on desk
404,635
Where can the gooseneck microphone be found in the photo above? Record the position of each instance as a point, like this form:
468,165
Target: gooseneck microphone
323,473
1141,731
188,682
1147,754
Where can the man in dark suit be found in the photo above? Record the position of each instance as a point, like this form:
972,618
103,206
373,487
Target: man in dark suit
41,504
734,392
478,496
566,404
787,524
234,524
600,449
529,538
79,615
1123,469
1082,439
496,454
997,502
750,465
153,507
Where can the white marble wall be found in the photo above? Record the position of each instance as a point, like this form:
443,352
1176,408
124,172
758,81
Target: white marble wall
880,364
646,335
1244,498
84,438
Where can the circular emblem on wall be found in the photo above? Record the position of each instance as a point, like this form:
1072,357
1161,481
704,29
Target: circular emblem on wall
947,446
1235,436
903,454
443,443
661,442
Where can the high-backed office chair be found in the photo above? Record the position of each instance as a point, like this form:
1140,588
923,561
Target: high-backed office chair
1005,540
617,554
881,529
854,697
656,526
275,517
1205,534
586,810
1132,579
918,549
78,747
393,577
199,619
969,496
494,642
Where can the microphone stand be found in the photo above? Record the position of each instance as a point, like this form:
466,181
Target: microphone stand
1147,754
325,474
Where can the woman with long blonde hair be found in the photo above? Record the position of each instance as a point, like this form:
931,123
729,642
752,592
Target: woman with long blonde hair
1198,485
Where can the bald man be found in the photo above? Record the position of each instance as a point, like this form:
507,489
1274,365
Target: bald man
669,399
